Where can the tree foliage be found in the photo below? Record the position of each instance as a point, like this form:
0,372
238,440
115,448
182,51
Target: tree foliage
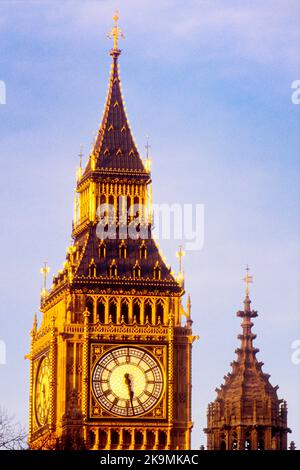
12,435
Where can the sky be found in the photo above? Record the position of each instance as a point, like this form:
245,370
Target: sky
210,82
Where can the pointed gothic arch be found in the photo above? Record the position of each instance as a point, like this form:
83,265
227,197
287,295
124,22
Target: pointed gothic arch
125,310
113,270
143,250
128,203
136,310
136,270
122,250
102,249
148,306
113,310
157,271
101,310
92,268
159,312
89,304
136,202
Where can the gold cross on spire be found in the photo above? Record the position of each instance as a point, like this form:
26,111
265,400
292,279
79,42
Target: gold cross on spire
248,280
44,271
116,32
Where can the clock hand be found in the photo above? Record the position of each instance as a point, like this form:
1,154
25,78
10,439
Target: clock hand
130,391
43,394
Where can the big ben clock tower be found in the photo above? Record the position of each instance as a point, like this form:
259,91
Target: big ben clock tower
110,364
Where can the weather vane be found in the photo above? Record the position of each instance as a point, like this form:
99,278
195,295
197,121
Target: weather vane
248,280
116,32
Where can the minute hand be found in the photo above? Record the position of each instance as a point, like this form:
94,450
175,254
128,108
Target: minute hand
130,390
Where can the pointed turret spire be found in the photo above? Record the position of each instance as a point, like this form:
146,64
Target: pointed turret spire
246,396
114,151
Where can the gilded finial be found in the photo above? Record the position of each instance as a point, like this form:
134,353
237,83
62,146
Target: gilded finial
148,159
80,155
45,271
79,169
180,254
116,32
248,280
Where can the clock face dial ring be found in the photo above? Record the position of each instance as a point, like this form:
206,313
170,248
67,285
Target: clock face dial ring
127,381
42,392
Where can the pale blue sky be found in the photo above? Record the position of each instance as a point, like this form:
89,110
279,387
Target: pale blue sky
210,83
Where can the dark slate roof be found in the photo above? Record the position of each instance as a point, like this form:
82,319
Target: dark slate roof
124,266
114,148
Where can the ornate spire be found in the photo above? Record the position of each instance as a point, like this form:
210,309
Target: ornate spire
246,400
114,149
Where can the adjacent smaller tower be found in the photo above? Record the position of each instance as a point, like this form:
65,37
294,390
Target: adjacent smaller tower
247,414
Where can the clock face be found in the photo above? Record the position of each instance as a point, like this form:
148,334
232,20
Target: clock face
127,381
42,392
